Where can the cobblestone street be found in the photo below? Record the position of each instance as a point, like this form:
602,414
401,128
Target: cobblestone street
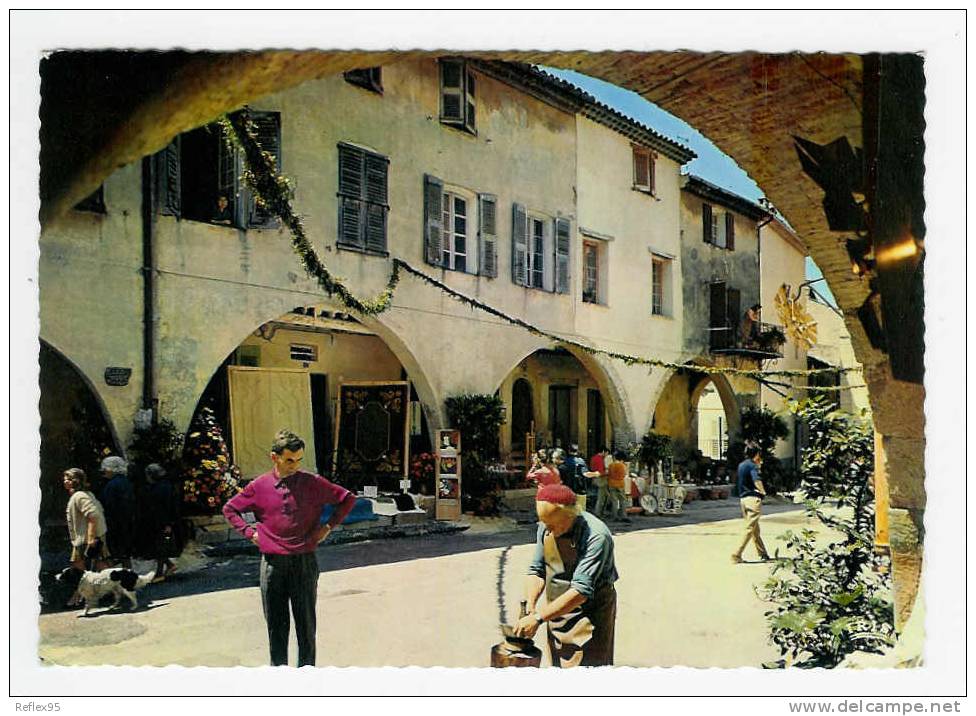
437,601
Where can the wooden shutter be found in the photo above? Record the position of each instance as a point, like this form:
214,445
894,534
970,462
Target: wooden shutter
351,189
733,308
707,223
718,308
268,129
433,229
562,247
452,91
469,104
488,235
228,178
729,230
641,180
168,182
651,166
376,169
520,248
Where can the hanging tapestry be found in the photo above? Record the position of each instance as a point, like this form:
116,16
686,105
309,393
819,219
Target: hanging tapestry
372,439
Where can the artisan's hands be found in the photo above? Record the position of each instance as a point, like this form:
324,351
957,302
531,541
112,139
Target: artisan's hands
527,625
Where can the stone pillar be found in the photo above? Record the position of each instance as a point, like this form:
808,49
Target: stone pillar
898,410
881,501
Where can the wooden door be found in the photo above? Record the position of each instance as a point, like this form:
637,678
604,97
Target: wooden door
262,402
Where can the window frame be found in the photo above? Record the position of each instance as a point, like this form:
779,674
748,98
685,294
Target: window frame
650,156
591,248
531,219
666,264
466,120
448,235
367,78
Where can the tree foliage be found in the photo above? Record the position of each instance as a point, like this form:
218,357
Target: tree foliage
832,598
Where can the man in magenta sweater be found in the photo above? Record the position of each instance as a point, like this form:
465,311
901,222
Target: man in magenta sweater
287,504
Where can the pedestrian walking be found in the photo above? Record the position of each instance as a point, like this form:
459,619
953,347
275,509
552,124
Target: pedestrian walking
751,491
574,565
571,472
599,465
86,523
616,479
287,504
119,500
163,515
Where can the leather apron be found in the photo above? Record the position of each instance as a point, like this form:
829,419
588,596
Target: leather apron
584,636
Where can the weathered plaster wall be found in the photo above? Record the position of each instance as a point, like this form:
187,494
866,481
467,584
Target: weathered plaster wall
703,264
783,260
91,293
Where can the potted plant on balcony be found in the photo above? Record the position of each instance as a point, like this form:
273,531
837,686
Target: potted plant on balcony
771,339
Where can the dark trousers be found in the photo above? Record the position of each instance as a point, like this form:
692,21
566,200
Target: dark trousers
290,578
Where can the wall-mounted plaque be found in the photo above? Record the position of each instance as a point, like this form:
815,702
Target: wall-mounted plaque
117,376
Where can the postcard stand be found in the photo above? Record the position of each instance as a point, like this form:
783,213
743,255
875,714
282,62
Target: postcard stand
448,475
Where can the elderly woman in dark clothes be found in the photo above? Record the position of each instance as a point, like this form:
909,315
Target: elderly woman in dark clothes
163,503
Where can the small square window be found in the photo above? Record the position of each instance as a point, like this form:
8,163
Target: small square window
644,169
94,202
370,78
303,352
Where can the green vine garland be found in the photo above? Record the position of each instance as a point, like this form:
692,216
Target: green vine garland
274,192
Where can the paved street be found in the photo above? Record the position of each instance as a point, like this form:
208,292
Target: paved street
436,601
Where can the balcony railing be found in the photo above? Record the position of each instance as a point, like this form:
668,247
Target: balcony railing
763,343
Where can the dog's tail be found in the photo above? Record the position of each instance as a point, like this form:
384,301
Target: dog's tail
145,579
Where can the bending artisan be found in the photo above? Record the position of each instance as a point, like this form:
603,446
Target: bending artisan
574,564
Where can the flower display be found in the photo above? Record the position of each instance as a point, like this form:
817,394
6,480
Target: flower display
209,476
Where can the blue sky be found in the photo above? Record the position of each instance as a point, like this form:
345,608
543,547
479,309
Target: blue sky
711,164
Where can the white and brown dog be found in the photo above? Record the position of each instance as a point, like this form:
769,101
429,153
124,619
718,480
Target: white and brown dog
90,587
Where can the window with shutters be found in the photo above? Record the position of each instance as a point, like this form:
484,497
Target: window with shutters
362,199
460,228
540,251
198,177
370,78
644,169
457,95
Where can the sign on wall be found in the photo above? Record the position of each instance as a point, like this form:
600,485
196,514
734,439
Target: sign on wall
448,506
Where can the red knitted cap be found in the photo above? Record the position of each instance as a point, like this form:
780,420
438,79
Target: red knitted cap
556,494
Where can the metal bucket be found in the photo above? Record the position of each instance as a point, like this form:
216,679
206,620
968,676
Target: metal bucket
506,655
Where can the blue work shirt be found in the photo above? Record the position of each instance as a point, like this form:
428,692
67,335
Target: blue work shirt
748,475
593,544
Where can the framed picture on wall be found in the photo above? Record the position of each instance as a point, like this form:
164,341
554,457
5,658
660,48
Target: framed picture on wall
448,506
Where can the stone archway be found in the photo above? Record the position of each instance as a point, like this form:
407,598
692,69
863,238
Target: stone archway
75,427
775,91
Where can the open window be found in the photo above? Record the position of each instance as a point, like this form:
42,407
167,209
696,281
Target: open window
644,169
457,95
370,78
198,177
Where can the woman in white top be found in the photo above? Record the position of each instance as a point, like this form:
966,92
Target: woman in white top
86,522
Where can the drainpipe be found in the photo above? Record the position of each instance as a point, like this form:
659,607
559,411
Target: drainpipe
149,400
759,227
